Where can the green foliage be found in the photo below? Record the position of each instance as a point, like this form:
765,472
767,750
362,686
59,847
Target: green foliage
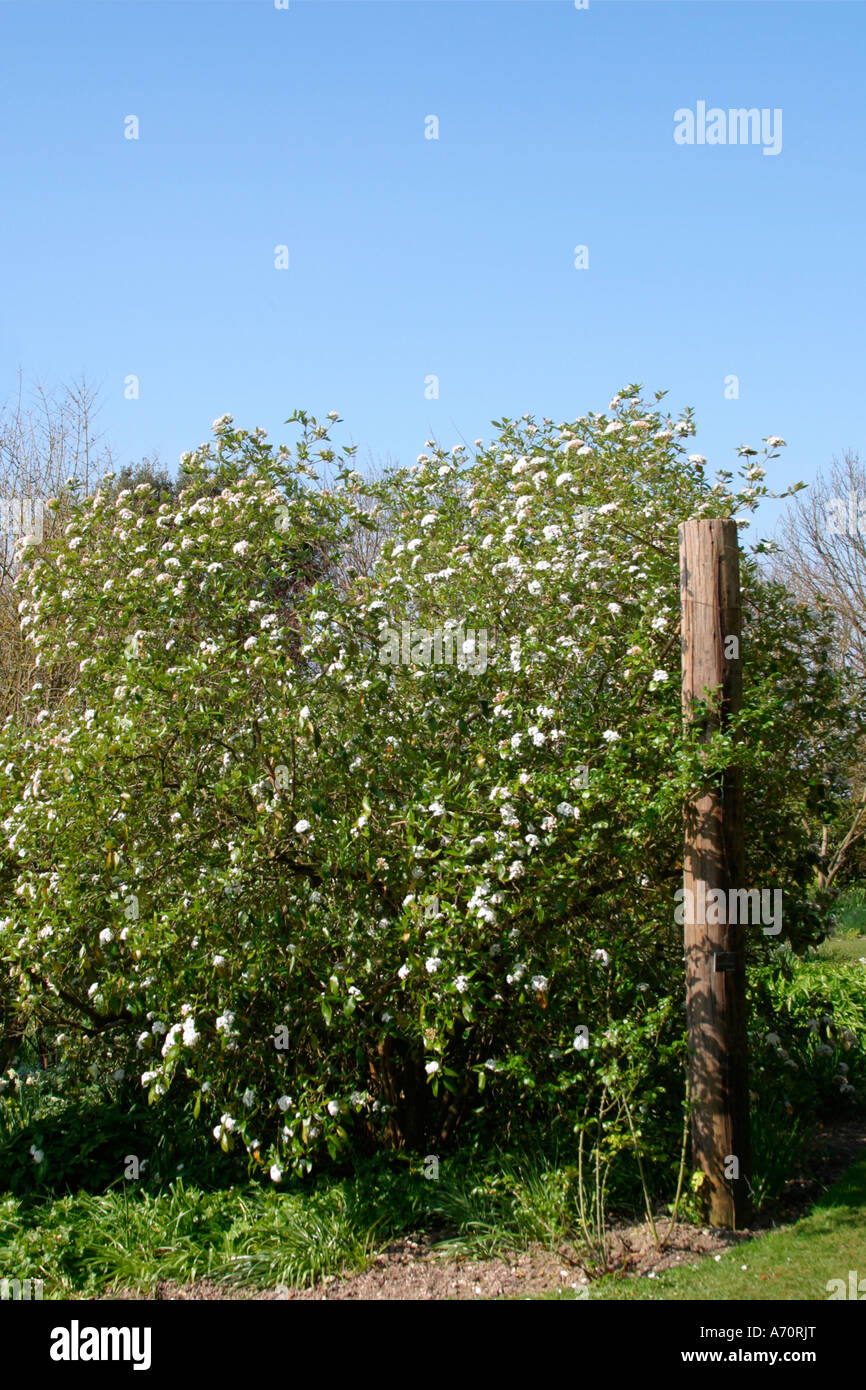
62,1132
87,1243
807,1041
321,899
134,1235
779,1142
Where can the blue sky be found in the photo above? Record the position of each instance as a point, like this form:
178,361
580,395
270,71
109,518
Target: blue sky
411,257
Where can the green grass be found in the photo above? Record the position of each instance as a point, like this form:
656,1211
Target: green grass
843,948
86,1244
792,1263
850,911
848,939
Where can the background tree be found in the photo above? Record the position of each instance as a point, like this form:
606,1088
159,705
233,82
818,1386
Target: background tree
46,439
821,560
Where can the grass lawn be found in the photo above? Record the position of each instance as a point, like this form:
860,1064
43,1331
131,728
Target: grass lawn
845,948
848,941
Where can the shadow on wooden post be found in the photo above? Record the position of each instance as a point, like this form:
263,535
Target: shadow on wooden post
713,859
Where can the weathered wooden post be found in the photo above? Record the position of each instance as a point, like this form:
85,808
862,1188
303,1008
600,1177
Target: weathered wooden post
713,859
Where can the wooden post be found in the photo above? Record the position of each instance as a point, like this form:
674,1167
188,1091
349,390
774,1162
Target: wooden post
713,859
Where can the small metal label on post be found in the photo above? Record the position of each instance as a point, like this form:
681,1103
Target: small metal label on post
724,961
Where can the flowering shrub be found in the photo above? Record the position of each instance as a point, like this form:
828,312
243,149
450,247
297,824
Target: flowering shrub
324,890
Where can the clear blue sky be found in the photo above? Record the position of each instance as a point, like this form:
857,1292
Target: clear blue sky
452,257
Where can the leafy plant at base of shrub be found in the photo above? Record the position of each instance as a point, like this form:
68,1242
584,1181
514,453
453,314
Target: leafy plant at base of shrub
779,1141
808,1028
61,1132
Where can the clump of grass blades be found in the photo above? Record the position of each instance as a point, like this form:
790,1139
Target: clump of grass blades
519,1203
778,1145
297,1243
99,1243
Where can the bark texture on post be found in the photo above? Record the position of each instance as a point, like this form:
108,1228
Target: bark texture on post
713,859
